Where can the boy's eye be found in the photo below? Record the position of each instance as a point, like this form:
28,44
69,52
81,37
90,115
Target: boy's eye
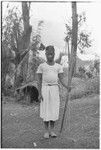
49,54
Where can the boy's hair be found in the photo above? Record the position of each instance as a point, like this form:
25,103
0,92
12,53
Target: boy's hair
50,47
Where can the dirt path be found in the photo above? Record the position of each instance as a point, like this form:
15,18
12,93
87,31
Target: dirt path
22,127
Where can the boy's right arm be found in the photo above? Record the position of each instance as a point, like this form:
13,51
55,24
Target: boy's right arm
40,86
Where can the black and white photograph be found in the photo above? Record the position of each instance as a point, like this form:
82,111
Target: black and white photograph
50,74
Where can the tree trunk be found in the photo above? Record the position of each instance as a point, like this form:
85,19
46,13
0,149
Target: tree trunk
74,72
68,53
73,55
24,41
74,35
27,28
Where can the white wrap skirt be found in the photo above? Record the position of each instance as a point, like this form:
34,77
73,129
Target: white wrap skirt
49,107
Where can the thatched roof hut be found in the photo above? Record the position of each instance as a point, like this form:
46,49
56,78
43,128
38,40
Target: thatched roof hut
26,79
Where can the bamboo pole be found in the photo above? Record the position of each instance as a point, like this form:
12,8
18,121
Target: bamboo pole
72,57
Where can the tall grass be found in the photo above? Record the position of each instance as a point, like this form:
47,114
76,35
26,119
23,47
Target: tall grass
82,88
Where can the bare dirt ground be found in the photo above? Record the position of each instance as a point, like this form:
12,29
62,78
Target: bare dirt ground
22,127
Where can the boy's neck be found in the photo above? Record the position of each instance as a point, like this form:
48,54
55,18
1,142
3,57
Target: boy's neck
50,62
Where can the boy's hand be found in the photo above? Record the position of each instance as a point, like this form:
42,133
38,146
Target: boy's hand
40,97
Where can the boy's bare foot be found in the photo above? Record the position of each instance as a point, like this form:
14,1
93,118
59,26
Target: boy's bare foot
46,135
52,134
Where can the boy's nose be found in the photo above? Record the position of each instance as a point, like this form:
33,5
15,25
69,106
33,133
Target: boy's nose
50,56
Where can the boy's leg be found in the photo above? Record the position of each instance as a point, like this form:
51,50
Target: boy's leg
46,124
52,123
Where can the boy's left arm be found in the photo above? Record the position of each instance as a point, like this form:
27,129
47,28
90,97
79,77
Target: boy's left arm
63,82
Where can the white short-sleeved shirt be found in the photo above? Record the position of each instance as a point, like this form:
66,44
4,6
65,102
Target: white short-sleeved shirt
50,73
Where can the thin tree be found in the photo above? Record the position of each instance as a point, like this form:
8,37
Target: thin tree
24,41
73,55
84,40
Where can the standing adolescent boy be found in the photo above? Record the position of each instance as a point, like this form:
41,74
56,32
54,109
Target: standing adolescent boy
48,75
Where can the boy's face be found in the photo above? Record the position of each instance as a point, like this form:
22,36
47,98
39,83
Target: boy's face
50,55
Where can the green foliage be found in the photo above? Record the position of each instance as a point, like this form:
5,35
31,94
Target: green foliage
11,32
84,39
81,69
12,29
19,80
42,47
88,87
93,85
81,72
82,88
97,65
16,35
36,38
89,74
